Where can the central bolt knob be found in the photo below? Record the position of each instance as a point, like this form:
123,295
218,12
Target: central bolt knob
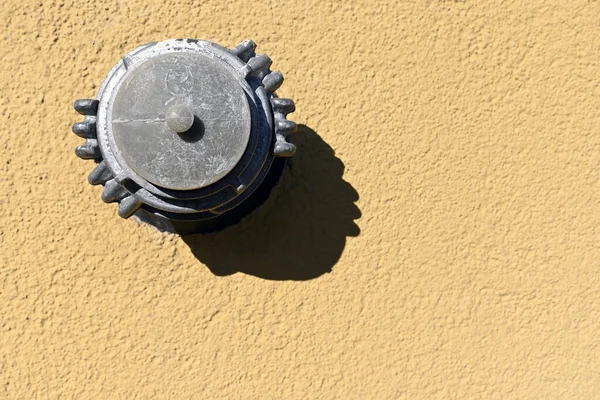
179,118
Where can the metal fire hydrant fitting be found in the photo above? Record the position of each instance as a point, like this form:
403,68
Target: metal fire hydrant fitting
187,135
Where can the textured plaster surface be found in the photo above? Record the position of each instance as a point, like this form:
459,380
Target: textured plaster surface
449,248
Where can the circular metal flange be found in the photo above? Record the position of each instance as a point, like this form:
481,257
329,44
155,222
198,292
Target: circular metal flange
185,132
180,120
221,191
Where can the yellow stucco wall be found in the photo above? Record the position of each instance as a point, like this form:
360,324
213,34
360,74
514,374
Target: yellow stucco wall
436,236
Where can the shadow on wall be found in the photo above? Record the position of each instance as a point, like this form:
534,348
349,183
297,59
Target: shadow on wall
300,232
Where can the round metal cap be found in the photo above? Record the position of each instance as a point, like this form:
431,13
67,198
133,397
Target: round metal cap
181,120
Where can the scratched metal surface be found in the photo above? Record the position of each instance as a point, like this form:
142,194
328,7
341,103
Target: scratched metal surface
181,161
